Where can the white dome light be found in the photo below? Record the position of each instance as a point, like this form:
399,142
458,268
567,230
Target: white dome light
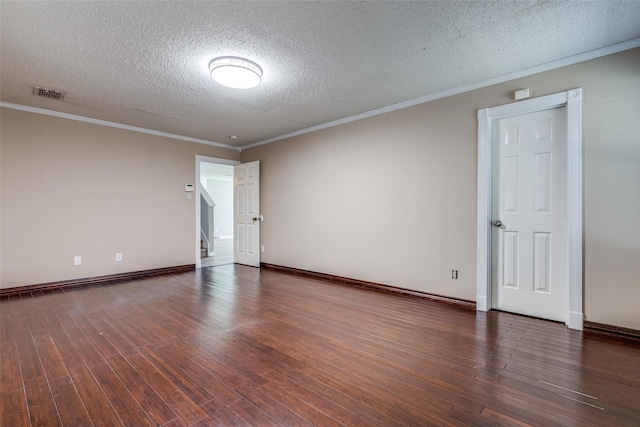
238,73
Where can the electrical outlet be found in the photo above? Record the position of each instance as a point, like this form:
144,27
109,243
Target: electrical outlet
262,248
119,256
77,260
454,274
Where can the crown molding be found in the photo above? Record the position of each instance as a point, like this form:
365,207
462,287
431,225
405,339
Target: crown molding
631,44
113,125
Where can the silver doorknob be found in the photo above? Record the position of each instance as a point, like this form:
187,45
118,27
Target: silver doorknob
497,223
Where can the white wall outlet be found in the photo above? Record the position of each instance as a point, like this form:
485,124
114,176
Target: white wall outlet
119,256
262,248
77,260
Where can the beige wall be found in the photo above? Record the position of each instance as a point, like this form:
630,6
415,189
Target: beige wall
392,198
71,188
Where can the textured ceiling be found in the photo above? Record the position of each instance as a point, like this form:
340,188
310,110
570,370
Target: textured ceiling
145,64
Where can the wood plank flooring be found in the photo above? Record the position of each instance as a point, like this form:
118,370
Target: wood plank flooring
237,346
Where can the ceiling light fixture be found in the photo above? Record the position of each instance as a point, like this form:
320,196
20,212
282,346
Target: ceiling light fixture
235,72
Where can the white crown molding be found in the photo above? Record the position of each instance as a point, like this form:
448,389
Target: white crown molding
631,44
113,125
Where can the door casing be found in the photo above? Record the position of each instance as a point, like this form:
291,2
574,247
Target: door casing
572,100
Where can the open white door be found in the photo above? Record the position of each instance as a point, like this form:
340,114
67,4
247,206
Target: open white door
246,215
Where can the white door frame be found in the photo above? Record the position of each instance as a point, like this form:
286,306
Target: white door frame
572,100
205,159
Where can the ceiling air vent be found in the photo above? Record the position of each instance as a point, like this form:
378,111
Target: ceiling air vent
48,93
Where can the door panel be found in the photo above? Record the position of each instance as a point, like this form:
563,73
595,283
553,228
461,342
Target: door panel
542,183
247,218
510,259
541,261
510,184
529,186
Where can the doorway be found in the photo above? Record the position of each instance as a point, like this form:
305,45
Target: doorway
214,211
571,312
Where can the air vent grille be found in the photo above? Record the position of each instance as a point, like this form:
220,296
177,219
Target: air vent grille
49,93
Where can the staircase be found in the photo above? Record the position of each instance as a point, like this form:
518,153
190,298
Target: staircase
206,223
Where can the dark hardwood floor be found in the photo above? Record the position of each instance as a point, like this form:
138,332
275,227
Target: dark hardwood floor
237,346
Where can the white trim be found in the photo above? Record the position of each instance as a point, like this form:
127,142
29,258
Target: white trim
200,159
572,99
483,300
113,125
631,44
574,208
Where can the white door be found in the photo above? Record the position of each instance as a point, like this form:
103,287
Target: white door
246,215
529,215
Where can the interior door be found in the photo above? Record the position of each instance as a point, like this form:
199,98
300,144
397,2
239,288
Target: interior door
529,215
246,216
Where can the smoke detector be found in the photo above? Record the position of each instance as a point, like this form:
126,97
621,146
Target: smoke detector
49,93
